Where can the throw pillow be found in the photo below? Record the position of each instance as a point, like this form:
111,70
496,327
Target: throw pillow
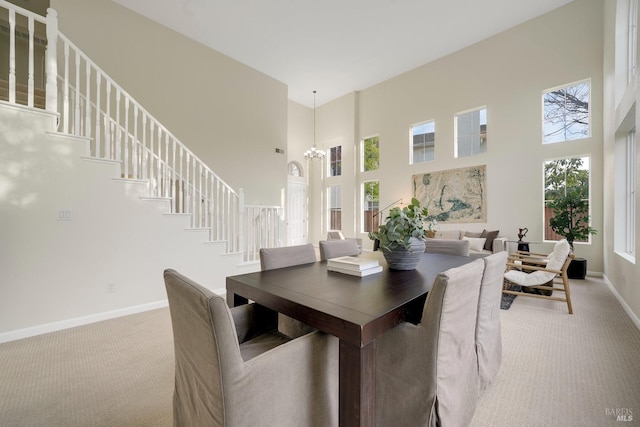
490,236
475,243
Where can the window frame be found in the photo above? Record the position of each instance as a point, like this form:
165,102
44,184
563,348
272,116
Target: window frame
337,161
586,81
331,208
375,213
363,143
412,144
482,144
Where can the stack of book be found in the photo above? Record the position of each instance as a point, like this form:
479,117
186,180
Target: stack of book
354,265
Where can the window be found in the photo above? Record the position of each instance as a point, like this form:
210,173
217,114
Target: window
630,193
566,113
334,214
370,154
471,132
294,169
335,161
370,205
566,199
632,44
423,138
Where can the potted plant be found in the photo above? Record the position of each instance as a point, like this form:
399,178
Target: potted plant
431,228
401,237
568,200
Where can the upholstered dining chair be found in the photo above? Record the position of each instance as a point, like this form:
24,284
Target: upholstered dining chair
541,272
488,329
427,374
288,256
337,248
233,369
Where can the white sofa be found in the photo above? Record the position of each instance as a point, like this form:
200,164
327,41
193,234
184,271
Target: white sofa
456,242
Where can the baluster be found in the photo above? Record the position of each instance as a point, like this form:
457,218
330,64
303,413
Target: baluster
118,140
152,183
145,153
159,164
174,204
166,165
98,131
65,105
181,187
12,56
205,207
126,137
194,197
87,98
200,198
135,142
109,140
30,81
187,184
76,118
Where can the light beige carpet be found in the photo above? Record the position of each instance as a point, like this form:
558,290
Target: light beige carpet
558,369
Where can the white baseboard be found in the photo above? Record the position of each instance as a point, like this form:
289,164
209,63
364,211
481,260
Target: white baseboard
79,321
625,306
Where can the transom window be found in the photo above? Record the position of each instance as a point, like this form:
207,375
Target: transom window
566,114
471,132
335,161
423,138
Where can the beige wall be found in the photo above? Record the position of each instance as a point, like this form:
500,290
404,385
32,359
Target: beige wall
506,73
230,115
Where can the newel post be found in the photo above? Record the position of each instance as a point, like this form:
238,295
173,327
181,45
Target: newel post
52,61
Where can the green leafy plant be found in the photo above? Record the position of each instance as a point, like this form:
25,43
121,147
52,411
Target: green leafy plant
401,225
567,192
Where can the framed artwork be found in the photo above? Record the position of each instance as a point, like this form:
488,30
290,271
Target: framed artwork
454,195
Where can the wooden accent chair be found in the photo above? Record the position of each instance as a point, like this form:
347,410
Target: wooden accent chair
337,248
541,272
232,368
427,374
288,256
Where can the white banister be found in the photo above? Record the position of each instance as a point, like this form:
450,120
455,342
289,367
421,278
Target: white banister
52,61
94,106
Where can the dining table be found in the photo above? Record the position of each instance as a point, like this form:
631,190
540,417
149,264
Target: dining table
356,310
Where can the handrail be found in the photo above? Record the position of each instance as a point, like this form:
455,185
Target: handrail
92,105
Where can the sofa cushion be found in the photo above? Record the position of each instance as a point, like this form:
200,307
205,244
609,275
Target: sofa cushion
448,234
475,243
490,236
473,233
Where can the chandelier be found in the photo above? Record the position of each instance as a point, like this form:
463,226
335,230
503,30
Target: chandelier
313,152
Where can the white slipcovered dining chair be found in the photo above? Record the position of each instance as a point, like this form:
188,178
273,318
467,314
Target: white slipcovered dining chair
288,256
233,369
488,328
541,272
427,374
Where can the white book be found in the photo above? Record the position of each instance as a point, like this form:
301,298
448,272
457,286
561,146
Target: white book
359,273
352,262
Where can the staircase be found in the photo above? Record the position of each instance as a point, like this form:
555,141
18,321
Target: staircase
93,107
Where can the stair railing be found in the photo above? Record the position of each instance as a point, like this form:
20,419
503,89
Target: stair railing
91,105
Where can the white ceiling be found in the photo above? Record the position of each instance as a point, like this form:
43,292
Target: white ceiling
338,46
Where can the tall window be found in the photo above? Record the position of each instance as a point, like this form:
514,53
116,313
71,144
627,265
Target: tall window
334,208
423,137
335,161
294,169
370,205
566,113
371,154
631,173
633,39
471,132
566,185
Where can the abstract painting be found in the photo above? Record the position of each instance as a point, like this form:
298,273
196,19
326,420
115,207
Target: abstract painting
455,195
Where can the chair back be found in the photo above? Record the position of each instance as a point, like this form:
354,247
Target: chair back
488,329
205,344
337,248
557,259
449,321
335,235
287,256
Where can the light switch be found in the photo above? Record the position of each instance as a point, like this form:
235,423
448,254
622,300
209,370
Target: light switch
65,215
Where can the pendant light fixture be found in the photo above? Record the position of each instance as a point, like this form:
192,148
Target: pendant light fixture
313,152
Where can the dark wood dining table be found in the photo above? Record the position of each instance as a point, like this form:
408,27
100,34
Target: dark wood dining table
357,310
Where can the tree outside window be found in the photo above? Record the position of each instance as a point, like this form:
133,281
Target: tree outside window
567,200
371,154
566,113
